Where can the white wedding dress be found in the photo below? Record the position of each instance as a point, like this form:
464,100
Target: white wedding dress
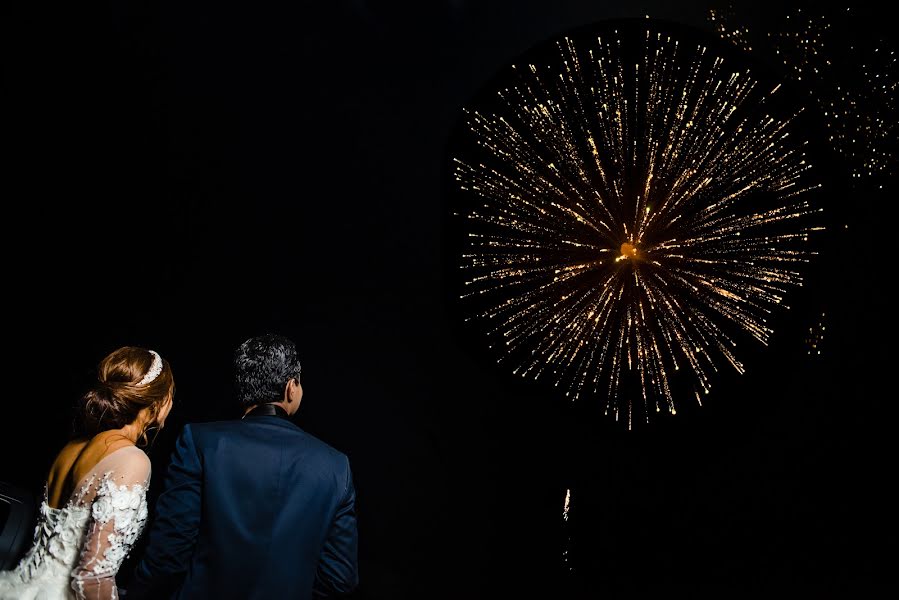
79,547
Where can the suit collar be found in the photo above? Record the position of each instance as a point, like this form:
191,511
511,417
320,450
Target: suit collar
267,410
271,420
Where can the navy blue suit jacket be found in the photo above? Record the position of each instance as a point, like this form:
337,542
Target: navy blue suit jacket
252,508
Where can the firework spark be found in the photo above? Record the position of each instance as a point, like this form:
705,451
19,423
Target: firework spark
566,550
853,82
814,339
633,207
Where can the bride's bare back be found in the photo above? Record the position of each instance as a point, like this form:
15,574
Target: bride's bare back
76,460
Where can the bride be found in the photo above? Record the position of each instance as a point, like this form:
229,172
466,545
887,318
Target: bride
95,505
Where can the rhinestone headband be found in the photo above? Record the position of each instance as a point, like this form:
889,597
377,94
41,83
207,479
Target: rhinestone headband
154,371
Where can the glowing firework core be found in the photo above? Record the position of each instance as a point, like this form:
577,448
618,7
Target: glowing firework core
628,251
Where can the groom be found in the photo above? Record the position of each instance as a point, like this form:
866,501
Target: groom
256,507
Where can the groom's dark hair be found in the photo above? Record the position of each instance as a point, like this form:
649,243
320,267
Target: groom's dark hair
262,367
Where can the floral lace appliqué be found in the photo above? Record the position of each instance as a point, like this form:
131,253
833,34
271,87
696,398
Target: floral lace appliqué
126,507
119,513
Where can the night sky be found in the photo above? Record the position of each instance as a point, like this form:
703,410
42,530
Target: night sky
181,176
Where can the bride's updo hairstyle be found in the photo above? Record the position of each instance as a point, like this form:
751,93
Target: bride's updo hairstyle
128,380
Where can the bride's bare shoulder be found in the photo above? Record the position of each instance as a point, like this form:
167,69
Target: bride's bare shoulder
134,456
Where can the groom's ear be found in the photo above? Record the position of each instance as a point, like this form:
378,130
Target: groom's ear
293,381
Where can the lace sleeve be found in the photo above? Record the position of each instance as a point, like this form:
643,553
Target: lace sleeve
117,498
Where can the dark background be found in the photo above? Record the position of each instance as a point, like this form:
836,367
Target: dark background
181,176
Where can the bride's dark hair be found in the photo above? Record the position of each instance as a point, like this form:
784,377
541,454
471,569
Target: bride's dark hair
118,396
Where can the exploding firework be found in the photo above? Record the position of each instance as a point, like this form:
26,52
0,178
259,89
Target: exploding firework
632,205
